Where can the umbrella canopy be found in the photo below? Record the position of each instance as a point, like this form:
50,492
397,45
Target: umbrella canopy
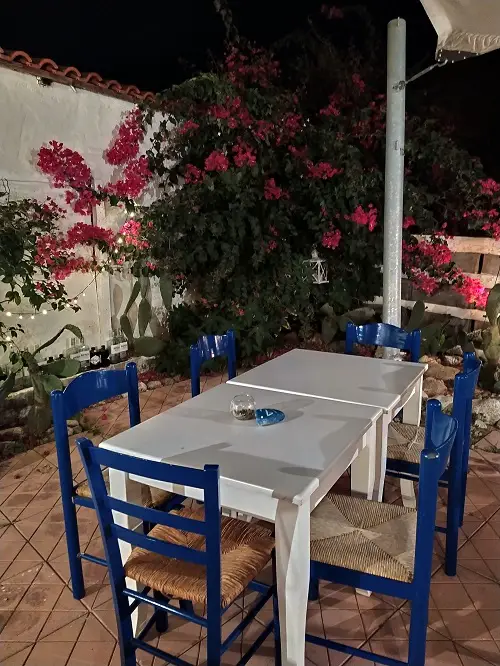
464,27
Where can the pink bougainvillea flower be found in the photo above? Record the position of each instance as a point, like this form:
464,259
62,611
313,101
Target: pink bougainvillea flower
424,282
331,238
363,217
129,136
489,186
136,177
358,82
192,174
244,155
216,161
408,222
188,126
322,170
272,191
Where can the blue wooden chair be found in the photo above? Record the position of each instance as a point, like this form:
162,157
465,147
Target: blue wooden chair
384,547
191,554
84,391
383,335
207,348
405,444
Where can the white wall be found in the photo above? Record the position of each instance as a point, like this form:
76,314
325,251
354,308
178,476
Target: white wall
31,115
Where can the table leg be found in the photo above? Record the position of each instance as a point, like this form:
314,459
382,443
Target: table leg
292,572
363,467
121,487
381,456
411,415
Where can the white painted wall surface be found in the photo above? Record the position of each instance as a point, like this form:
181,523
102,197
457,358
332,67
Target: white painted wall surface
31,115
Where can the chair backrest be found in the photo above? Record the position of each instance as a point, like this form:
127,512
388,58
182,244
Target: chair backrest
207,480
86,390
383,335
463,394
440,436
207,348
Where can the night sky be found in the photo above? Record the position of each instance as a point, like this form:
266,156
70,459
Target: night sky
158,43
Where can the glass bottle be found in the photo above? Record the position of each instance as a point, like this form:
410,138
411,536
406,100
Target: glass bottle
123,346
104,356
84,356
114,347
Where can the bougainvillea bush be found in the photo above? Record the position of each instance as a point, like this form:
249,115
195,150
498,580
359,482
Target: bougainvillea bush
258,167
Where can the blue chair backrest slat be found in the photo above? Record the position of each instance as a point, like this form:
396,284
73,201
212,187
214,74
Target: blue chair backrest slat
440,434
463,394
158,546
154,516
207,348
206,480
383,335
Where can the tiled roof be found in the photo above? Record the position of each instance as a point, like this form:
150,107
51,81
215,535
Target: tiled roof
48,69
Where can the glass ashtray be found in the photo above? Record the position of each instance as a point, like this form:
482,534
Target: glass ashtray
242,407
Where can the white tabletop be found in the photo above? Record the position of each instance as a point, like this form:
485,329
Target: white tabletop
340,377
285,460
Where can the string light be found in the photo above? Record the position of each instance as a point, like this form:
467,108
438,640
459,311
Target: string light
32,317
44,312
8,314
20,316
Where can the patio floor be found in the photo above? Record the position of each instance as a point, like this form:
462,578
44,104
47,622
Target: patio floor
41,624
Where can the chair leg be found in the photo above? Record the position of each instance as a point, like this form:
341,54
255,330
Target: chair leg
73,545
418,631
276,616
313,589
161,616
214,639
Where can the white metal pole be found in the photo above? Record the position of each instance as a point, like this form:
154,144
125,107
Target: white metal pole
394,170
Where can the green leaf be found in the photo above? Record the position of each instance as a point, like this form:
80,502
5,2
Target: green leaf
7,386
416,317
144,315
144,282
493,305
166,290
133,296
328,329
52,383
39,419
126,327
64,367
146,346
69,327
326,310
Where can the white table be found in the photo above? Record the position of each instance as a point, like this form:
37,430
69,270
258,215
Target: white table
387,384
278,473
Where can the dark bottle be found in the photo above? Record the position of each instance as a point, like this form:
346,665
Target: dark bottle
51,358
104,354
61,355
95,359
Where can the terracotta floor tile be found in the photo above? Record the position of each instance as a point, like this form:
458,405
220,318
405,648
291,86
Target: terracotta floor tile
450,596
108,619
436,628
95,631
494,567
10,549
41,596
22,571
475,571
376,602
67,602
465,625
337,596
17,659
382,625
484,532
478,653
441,653
47,576
340,624
49,654
10,649
484,595
11,595
91,654
492,621
25,624
63,626
11,535
390,648
489,549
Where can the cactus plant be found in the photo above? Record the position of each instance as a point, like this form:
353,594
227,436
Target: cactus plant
490,342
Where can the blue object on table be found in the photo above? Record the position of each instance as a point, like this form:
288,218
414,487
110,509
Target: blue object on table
184,556
266,416
383,335
84,391
207,348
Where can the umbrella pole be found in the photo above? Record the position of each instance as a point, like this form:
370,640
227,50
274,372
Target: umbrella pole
394,170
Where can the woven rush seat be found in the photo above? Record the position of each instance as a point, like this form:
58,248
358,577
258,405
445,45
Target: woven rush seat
151,497
246,549
361,535
405,442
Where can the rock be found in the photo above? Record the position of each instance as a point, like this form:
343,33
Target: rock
446,402
480,424
443,372
72,423
143,363
11,434
154,384
456,351
361,315
433,386
142,387
425,397
428,359
476,336
11,448
452,360
488,410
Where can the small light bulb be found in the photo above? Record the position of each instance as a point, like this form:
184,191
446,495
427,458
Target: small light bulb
8,314
67,306
132,214
8,338
116,250
83,294
44,312
120,240
75,301
32,317
20,316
